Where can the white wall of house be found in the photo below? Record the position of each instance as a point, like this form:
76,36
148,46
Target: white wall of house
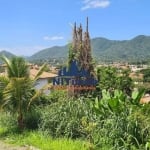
40,83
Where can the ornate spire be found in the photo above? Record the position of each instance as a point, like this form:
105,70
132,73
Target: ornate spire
74,27
82,47
87,24
74,43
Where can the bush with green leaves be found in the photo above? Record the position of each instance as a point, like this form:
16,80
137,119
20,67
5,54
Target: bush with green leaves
8,121
121,121
64,118
110,123
57,95
111,78
32,118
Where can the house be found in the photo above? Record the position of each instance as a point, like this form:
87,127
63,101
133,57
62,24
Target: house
145,99
135,68
44,79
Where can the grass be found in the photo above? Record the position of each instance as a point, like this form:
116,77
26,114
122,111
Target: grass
43,142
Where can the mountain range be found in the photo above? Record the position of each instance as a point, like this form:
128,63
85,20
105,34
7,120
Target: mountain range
136,49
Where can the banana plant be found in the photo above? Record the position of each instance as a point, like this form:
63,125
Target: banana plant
136,96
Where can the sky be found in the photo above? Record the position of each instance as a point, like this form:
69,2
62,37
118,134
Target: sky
27,26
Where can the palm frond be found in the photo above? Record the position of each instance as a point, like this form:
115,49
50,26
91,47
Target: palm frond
8,64
3,84
37,94
40,71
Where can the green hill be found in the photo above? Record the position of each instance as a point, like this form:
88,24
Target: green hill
53,52
6,53
136,49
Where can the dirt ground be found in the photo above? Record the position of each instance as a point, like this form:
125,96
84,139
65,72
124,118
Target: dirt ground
4,146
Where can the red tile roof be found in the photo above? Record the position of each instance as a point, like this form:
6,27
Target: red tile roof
33,73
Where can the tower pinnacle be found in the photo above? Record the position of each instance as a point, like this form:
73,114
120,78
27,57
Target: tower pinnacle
87,24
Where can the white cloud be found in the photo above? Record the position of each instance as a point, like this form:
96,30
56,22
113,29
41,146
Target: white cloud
53,38
95,4
71,24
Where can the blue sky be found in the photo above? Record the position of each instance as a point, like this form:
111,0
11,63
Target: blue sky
27,26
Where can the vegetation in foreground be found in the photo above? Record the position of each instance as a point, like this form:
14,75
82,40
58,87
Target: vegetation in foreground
112,123
40,141
109,119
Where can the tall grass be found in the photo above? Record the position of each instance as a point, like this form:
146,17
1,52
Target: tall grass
43,142
115,122
9,133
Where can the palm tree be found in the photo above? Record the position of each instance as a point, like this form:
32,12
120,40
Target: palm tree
18,92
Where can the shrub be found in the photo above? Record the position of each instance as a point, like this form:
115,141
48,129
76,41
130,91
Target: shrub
64,118
32,118
8,121
121,121
115,122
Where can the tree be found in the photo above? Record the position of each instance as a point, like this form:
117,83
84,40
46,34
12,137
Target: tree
111,78
18,91
146,74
